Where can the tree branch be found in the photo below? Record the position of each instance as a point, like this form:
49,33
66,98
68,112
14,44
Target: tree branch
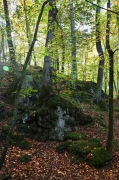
103,7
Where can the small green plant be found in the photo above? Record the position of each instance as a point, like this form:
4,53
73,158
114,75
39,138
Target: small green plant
16,140
5,131
115,143
98,157
24,145
75,136
25,158
63,146
19,141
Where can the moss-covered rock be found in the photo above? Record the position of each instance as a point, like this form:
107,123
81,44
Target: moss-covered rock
63,146
98,157
25,129
74,136
84,147
25,158
80,148
94,142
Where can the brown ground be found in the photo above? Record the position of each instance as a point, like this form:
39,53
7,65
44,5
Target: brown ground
47,164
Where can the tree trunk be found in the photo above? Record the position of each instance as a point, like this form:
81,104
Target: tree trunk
9,37
73,39
47,69
27,25
63,52
97,97
111,78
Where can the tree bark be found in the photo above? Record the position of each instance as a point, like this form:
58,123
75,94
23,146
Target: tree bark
9,37
73,39
47,69
97,97
111,78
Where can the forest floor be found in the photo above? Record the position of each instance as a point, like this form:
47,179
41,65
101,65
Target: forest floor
47,164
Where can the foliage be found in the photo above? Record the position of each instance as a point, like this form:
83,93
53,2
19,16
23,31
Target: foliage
25,158
98,157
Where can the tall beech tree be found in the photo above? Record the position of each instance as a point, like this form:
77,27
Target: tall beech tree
47,69
111,80
101,56
9,37
73,42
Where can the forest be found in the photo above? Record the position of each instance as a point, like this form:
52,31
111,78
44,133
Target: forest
59,90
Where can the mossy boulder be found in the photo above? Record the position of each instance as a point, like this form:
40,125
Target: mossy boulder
63,146
94,142
26,130
74,136
84,147
25,158
80,148
98,157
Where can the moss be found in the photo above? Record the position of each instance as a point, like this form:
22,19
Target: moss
16,140
75,160
94,142
80,148
63,146
43,111
116,109
101,122
54,101
98,157
115,144
19,141
5,130
75,136
104,104
24,145
25,158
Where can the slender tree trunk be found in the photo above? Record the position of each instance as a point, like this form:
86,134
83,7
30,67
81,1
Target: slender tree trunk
3,47
9,37
73,37
20,85
97,97
47,69
111,78
28,33
63,52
